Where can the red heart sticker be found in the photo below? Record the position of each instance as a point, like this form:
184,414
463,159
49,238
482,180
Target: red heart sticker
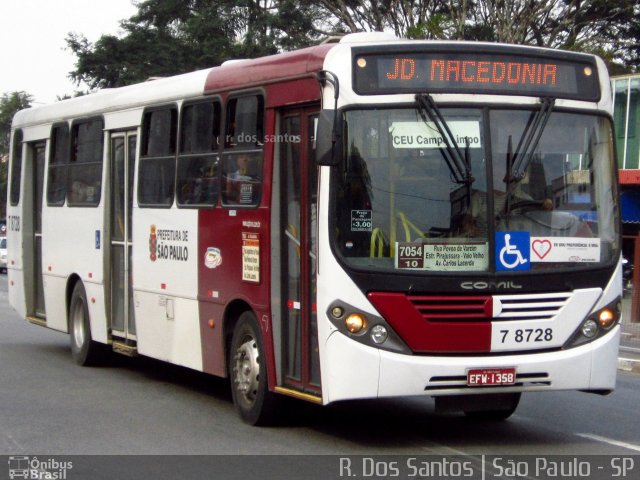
541,248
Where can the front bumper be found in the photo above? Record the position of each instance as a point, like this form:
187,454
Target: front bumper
352,370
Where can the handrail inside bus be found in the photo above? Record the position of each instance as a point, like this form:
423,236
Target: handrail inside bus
408,225
377,240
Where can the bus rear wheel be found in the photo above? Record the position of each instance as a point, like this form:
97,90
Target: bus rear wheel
84,350
255,404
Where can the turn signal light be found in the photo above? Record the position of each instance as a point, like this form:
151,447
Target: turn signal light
607,318
355,322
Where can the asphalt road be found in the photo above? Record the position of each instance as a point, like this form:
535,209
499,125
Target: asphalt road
139,406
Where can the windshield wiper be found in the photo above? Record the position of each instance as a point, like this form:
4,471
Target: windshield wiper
530,138
459,164
518,161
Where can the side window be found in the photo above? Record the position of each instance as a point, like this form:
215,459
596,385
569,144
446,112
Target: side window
245,122
156,177
242,158
85,166
58,164
16,168
197,179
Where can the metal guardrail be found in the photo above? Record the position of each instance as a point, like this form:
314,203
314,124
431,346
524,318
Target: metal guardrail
629,355
630,327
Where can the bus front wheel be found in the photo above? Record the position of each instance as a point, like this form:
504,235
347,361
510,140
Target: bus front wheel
84,350
254,402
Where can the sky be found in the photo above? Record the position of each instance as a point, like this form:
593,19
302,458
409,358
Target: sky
34,57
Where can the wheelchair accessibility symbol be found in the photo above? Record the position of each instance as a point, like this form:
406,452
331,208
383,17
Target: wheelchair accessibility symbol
512,251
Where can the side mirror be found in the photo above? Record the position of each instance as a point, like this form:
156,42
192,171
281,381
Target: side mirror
329,138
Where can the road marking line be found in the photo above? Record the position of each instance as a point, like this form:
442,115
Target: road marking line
15,444
610,441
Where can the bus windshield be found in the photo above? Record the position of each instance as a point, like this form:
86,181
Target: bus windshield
411,199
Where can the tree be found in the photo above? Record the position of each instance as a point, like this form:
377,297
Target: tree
167,37
10,103
610,28
158,41
405,18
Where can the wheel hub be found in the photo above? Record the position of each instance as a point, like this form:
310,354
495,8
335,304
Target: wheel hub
78,325
247,370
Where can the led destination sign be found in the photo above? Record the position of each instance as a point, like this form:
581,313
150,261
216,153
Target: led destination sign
482,73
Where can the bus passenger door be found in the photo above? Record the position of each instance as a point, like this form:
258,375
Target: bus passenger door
123,155
298,202
36,157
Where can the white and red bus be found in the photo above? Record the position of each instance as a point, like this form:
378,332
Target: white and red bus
368,218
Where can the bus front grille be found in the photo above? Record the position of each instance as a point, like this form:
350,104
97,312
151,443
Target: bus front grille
479,308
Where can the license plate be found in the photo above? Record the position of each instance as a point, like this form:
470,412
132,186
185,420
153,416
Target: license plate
481,377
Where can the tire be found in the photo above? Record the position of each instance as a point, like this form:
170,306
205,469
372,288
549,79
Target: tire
253,401
84,350
509,403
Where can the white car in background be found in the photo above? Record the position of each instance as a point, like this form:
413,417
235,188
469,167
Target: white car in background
3,254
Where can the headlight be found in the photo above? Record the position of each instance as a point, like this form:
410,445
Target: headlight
366,328
589,328
379,334
596,324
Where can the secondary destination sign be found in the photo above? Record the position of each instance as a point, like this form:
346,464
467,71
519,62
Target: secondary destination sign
479,73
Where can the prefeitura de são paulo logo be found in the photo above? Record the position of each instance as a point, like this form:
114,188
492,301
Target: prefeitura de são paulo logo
153,244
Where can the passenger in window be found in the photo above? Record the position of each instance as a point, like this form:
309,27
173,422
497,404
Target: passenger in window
78,192
244,169
243,183
199,186
191,189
